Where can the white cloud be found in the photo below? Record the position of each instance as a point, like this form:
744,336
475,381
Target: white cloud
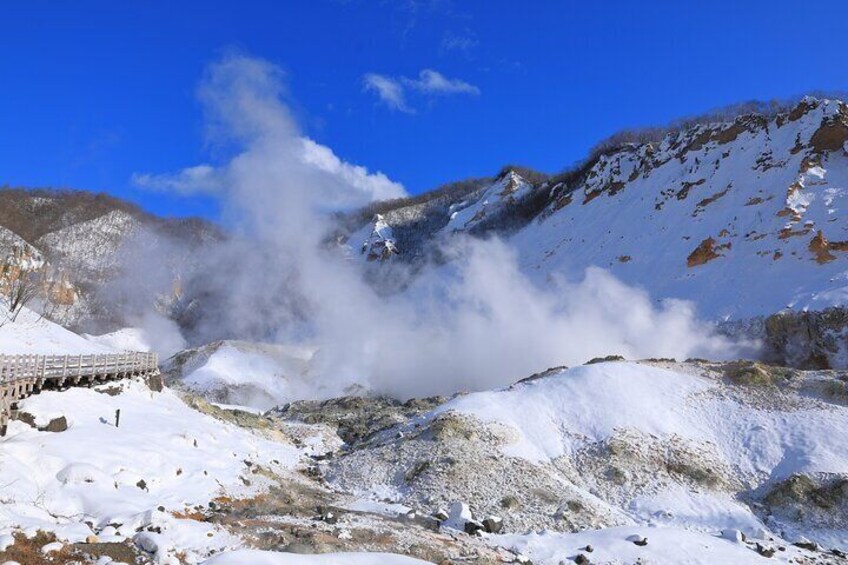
191,180
463,43
243,99
392,91
434,82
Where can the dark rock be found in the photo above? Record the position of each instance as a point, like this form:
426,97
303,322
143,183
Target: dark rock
765,551
155,382
582,560
24,417
606,359
356,418
808,545
142,484
588,549
473,527
493,524
328,515
59,424
638,540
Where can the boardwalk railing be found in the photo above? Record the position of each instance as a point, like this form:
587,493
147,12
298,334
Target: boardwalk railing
23,375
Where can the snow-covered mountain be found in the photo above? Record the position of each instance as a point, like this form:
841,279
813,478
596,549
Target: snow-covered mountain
745,216
80,240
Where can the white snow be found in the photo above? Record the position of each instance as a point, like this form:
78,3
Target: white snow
258,378
92,471
125,339
273,558
560,413
665,545
651,221
30,333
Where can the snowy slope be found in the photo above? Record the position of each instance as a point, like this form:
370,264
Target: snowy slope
725,215
755,438
244,374
504,193
90,246
163,455
693,448
32,333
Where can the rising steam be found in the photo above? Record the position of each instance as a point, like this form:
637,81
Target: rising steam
476,323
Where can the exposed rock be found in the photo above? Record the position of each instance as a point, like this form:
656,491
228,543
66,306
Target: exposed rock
607,359
751,373
473,527
804,543
355,418
493,524
704,253
59,424
807,339
765,551
155,382
636,539
833,134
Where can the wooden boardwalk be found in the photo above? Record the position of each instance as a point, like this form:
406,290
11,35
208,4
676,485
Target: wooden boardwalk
23,375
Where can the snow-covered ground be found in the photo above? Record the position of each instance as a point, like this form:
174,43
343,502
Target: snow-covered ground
163,458
675,452
31,333
664,545
240,373
126,339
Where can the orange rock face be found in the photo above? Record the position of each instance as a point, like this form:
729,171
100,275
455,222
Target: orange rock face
704,253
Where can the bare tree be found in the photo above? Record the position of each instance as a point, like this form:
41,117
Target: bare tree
21,282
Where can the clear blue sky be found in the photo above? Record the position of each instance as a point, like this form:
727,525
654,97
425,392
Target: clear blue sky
94,91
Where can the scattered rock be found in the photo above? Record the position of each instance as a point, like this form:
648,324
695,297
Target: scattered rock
493,524
142,484
155,382
582,560
587,549
473,527
704,253
804,543
92,539
606,359
638,540
59,424
765,551
328,515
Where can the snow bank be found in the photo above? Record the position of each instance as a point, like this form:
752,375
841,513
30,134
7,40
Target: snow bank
665,545
555,415
163,455
126,339
30,333
245,374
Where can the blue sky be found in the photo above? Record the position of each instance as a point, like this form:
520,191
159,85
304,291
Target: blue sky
93,92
